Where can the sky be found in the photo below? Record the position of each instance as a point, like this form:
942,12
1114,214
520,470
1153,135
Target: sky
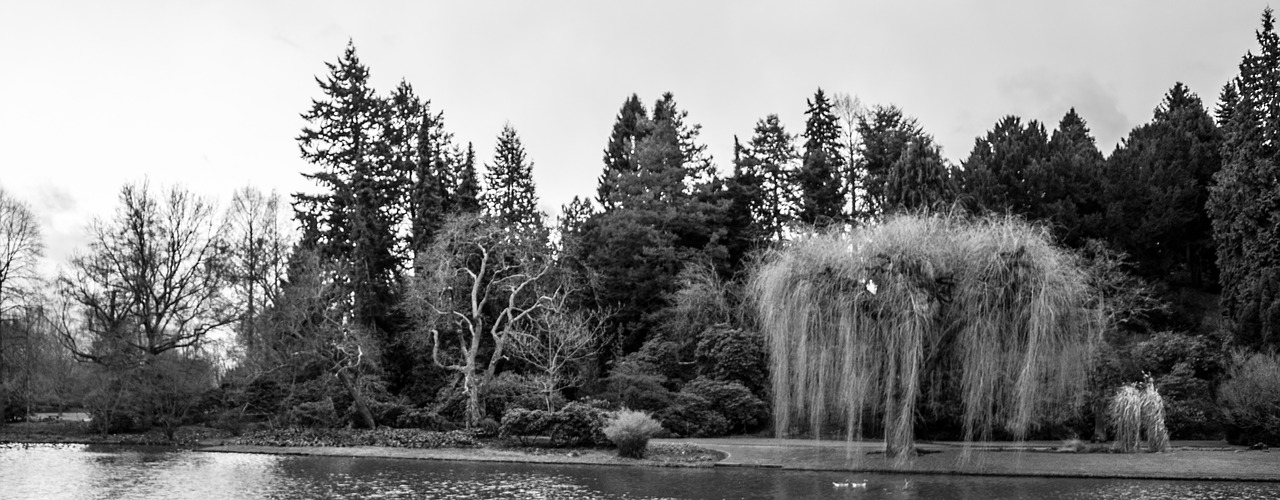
208,94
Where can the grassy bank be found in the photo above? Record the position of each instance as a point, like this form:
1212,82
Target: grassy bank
1188,461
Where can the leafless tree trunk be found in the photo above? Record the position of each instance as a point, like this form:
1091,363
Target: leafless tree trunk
480,282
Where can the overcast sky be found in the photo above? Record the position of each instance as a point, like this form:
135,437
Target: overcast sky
94,94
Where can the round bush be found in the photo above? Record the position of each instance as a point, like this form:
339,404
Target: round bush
630,430
691,415
740,407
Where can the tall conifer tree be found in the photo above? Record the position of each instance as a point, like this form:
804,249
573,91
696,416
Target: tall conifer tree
1244,202
885,132
1167,166
999,172
509,191
769,164
819,177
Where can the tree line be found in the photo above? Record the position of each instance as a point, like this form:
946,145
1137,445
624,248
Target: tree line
415,287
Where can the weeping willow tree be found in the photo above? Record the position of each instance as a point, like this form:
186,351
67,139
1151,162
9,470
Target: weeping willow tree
986,310
1137,410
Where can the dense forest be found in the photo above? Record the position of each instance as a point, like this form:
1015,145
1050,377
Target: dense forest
416,287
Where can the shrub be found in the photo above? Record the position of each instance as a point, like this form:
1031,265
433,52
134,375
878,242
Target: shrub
636,384
578,424
107,421
386,412
397,438
691,415
511,390
733,354
524,424
313,414
1251,399
486,428
422,418
742,409
630,431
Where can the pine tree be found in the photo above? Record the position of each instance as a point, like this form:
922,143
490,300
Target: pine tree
885,132
339,140
509,191
465,196
999,174
351,223
822,164
1160,176
919,179
1244,202
1070,184
430,186
661,209
746,199
629,129
770,162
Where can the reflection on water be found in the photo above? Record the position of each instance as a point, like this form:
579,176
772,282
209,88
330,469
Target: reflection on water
79,471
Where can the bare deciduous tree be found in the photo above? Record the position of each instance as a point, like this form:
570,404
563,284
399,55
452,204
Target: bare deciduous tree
258,245
151,281
481,283
557,340
20,249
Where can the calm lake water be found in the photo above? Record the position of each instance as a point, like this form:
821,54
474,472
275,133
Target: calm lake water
79,471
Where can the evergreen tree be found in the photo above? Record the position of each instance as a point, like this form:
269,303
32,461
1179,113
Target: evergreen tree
465,196
339,140
1069,183
822,165
919,179
885,132
746,199
999,174
430,185
1160,176
510,196
351,223
619,154
571,223
767,170
403,126
661,210
1244,202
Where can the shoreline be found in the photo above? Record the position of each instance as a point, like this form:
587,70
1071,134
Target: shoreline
1196,461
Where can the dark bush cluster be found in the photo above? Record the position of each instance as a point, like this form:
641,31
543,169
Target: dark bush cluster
577,424
398,438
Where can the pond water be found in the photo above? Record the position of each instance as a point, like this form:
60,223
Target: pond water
80,471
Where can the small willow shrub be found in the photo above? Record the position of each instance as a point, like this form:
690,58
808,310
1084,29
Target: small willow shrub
630,430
